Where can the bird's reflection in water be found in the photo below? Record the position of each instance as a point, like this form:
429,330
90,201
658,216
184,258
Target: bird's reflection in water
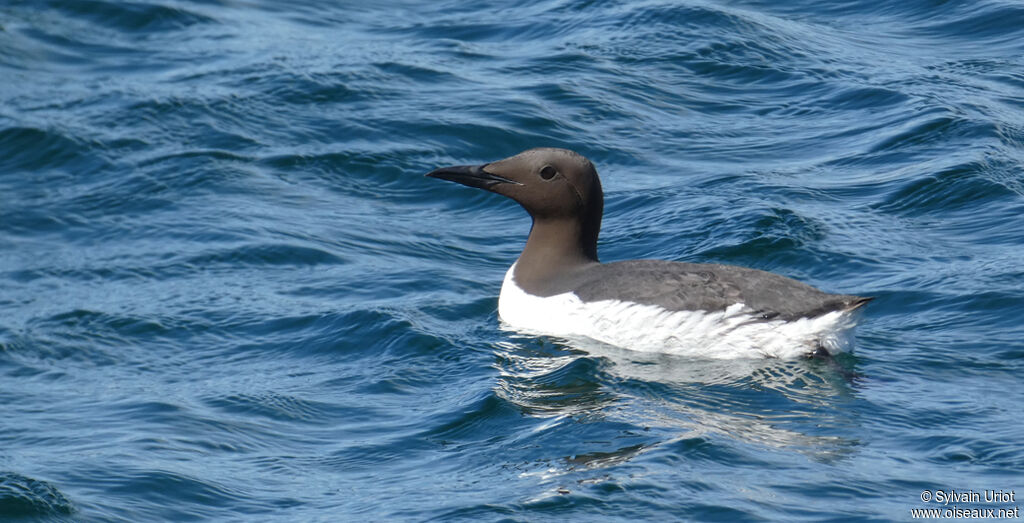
664,400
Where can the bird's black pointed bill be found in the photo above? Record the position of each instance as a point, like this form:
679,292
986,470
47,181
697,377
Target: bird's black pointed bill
471,175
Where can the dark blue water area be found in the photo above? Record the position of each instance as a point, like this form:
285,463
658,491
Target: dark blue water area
228,293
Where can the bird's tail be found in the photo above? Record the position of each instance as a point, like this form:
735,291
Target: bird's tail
855,302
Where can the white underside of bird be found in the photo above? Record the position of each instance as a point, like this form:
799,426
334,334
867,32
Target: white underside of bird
727,334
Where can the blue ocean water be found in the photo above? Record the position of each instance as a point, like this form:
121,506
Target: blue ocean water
228,293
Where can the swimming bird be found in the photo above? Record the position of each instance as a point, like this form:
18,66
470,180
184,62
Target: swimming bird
559,287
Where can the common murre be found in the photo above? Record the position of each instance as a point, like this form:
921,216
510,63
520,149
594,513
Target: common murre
558,286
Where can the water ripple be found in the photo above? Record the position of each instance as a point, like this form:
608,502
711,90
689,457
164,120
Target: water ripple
22,497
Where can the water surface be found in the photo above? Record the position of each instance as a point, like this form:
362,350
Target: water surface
227,292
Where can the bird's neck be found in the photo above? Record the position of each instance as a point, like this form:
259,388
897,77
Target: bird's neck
554,248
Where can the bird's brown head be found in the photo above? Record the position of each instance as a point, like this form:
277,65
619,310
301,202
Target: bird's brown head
551,184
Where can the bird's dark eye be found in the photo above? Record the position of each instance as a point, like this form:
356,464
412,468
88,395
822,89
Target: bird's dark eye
548,172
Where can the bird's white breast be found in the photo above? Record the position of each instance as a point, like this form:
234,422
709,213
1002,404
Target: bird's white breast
732,333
